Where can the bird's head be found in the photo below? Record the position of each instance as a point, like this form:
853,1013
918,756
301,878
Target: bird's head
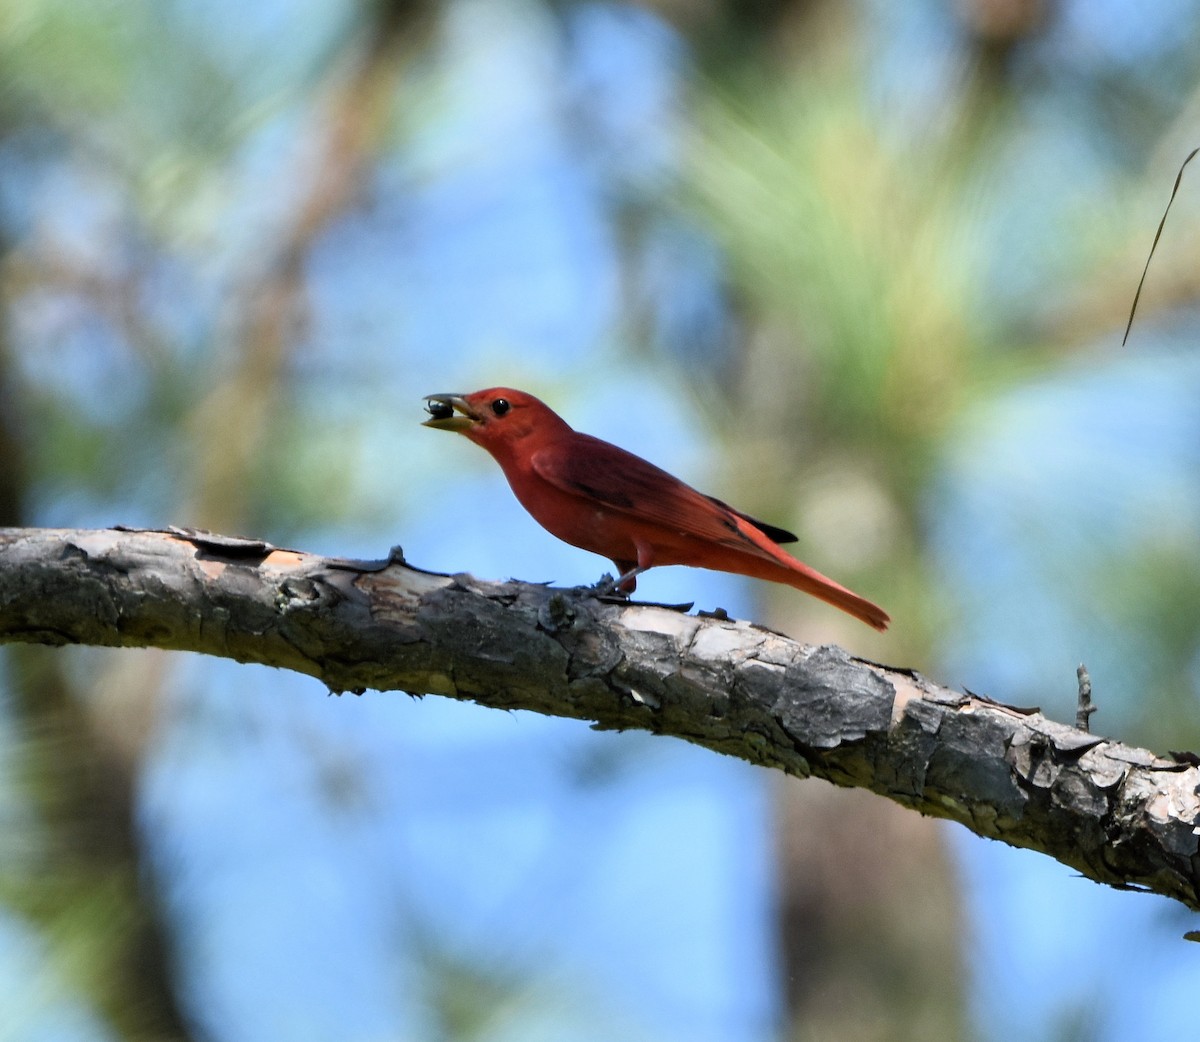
496,418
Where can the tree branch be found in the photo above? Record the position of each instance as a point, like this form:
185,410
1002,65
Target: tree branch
1118,814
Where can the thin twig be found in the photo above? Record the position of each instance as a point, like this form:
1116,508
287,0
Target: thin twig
1154,245
1084,708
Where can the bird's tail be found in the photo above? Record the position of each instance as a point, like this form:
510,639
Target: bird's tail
802,577
776,565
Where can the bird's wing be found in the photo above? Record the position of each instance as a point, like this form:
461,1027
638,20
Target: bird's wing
772,532
600,472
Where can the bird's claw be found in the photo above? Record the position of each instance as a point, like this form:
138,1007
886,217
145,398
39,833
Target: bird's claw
607,586
604,586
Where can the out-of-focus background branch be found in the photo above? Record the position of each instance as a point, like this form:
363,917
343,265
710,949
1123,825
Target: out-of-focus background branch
860,268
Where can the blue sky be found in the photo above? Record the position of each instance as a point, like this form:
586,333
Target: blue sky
320,854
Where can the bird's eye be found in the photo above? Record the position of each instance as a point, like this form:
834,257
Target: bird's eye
500,406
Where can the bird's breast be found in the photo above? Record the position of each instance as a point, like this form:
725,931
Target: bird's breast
576,519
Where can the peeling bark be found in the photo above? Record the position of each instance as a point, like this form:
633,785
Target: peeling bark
1119,815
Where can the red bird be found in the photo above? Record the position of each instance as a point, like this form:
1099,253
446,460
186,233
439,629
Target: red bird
601,498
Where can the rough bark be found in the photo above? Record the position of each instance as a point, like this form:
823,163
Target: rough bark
1119,815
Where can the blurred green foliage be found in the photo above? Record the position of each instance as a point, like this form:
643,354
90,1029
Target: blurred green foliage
904,243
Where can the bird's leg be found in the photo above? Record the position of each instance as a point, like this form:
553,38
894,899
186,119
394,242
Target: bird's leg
607,586
629,571
625,582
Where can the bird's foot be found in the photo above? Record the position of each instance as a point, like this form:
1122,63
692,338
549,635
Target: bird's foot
609,589
607,586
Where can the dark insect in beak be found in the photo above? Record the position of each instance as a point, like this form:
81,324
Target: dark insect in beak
450,412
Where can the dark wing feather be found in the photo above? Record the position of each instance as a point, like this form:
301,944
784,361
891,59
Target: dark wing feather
591,468
772,532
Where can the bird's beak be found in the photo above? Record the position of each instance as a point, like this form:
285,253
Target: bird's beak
450,412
